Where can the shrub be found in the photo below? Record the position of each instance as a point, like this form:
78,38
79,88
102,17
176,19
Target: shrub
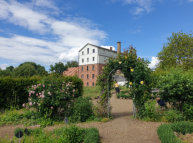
173,116
177,88
82,110
166,131
13,91
150,112
91,136
188,111
55,95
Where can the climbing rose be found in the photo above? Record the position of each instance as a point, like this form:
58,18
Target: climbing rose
141,82
132,70
130,83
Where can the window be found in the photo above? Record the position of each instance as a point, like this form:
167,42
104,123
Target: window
87,76
93,67
82,60
93,58
87,68
82,68
93,84
92,76
87,59
93,50
82,52
82,76
87,84
87,50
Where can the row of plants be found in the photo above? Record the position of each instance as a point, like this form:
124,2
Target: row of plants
166,131
69,134
81,111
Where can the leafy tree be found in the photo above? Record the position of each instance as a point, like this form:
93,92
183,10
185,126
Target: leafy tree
58,68
178,52
72,64
27,69
9,71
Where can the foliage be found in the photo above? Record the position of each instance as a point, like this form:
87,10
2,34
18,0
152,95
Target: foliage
13,91
55,95
24,116
58,68
166,134
166,131
173,115
136,72
177,52
82,110
70,134
28,69
91,136
150,112
71,64
124,94
9,71
177,88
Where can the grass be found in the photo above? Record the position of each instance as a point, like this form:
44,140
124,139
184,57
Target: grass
92,92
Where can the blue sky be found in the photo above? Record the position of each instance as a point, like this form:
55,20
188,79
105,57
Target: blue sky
48,31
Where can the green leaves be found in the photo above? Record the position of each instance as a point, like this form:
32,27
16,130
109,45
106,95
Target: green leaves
177,52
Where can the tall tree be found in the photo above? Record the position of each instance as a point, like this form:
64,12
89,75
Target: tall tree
178,52
58,68
72,64
28,69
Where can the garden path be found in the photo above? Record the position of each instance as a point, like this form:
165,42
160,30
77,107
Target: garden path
123,128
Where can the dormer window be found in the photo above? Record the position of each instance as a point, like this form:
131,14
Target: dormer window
82,52
93,50
87,50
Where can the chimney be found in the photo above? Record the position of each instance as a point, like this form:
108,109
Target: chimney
118,47
111,48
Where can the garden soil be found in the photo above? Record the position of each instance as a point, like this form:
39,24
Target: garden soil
121,129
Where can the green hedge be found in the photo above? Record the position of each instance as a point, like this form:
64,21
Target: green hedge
92,136
166,131
13,91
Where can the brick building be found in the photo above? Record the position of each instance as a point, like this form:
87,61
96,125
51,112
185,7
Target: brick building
91,60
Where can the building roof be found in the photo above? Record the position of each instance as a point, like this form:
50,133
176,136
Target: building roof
71,71
97,47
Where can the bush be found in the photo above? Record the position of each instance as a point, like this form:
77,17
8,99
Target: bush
150,112
177,88
82,110
173,116
13,91
91,136
55,95
166,131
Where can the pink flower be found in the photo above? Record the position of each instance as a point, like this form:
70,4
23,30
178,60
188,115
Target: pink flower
30,103
36,94
43,85
74,90
49,93
51,107
23,105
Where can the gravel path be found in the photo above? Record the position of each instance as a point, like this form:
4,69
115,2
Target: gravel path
124,129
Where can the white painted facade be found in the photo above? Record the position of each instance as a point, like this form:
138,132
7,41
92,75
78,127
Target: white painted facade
91,54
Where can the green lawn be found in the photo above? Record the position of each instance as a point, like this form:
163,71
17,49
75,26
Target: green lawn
92,92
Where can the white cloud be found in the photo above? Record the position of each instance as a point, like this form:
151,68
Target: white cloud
3,66
140,6
70,35
154,62
108,47
190,0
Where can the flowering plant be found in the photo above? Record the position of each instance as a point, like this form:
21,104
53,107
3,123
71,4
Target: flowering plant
54,96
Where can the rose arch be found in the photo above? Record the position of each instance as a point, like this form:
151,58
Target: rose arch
137,74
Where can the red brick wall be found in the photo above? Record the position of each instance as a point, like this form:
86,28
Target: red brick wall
83,74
